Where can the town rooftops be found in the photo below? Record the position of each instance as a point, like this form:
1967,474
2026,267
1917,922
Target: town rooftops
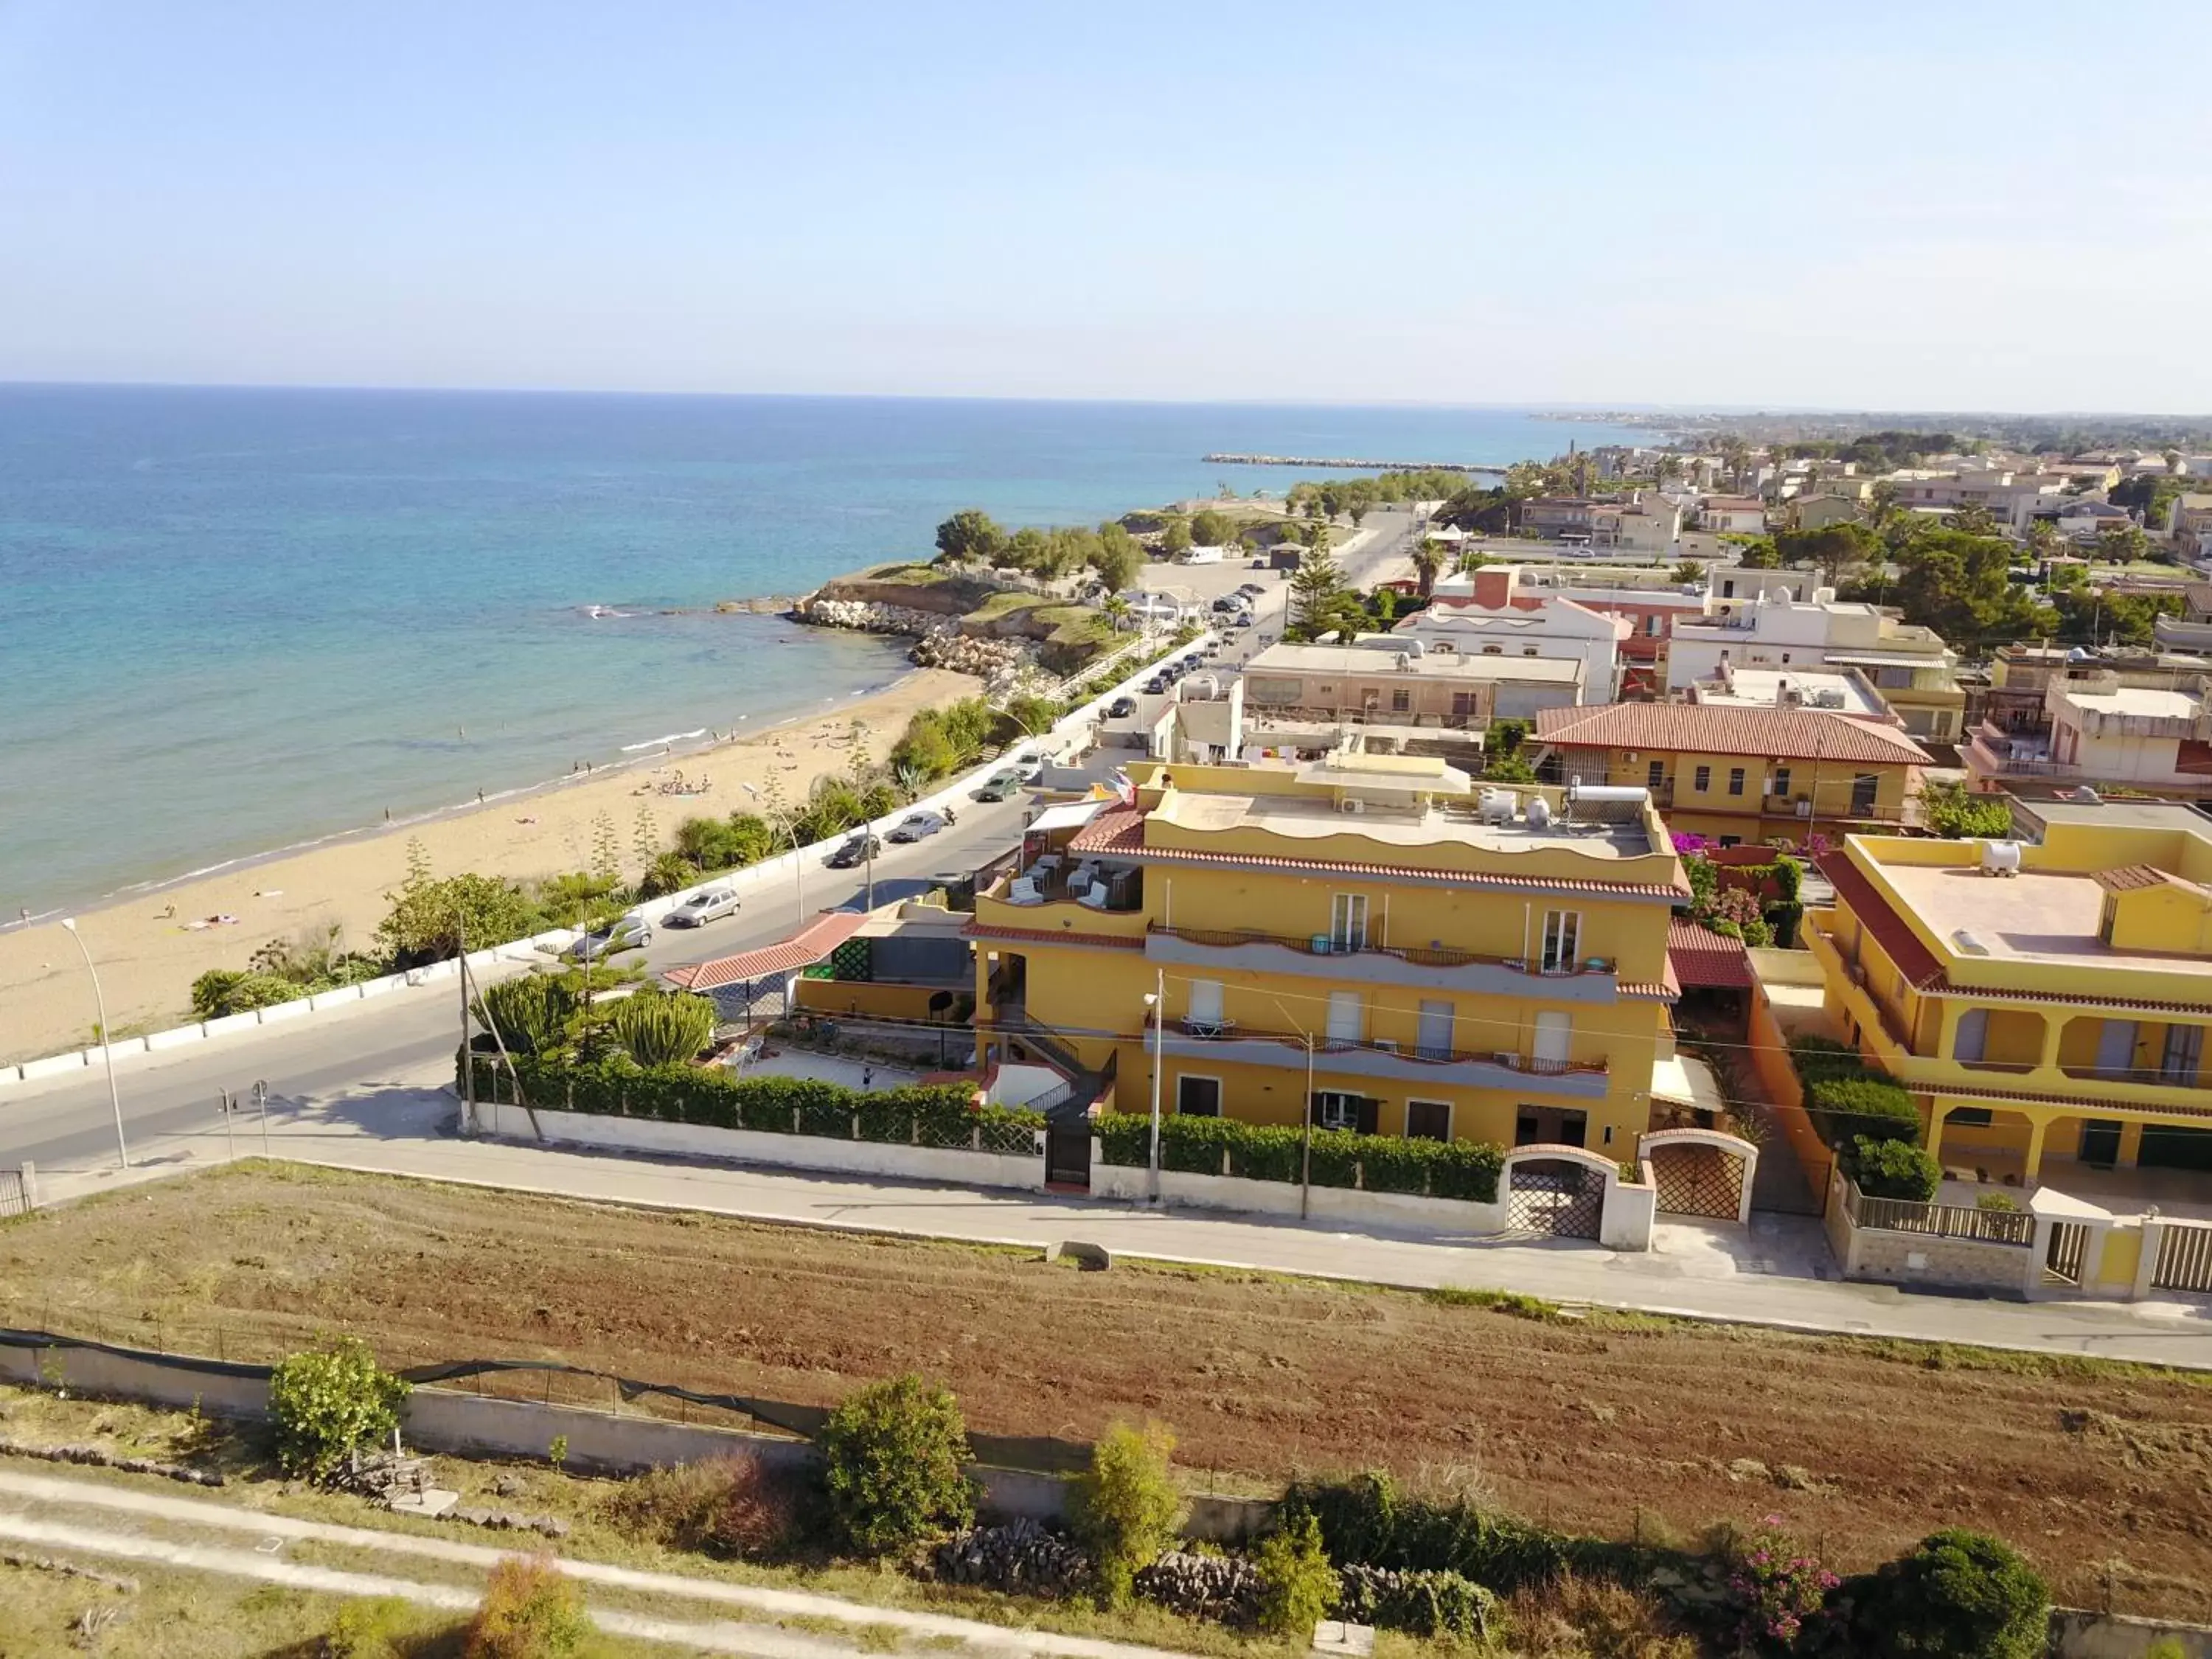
1704,729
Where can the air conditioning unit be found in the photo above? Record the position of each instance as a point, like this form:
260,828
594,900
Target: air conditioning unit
1355,807
1508,1058
1386,1045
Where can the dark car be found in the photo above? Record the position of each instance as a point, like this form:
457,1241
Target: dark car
1255,589
1193,660
1156,685
856,850
1120,708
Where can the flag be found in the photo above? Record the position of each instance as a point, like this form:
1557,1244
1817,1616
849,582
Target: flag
1125,789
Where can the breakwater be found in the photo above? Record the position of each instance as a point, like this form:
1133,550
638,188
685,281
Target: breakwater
1347,464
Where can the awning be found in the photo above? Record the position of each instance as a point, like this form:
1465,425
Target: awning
1705,961
809,946
1070,815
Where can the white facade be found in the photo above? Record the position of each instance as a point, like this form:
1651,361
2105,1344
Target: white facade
1490,613
1772,632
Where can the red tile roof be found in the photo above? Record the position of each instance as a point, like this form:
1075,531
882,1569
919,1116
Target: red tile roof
1119,832
1052,935
809,946
1704,960
1704,729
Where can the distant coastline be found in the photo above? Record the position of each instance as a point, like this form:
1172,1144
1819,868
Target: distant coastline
1345,465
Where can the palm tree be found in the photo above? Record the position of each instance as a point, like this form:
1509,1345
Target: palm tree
1429,564
1118,611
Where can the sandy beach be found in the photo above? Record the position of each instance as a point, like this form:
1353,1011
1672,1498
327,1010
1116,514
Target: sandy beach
149,956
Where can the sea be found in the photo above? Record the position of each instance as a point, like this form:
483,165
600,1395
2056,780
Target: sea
234,621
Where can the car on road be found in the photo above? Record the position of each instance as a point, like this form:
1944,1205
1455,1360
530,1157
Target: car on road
1156,685
855,849
1121,709
707,904
1255,589
1226,602
914,826
1242,619
631,931
1000,786
1193,660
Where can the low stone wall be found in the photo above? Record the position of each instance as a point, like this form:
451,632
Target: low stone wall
1898,1258
2078,1634
952,1166
1132,1183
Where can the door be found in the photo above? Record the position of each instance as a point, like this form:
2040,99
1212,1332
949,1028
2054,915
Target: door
1562,941
2185,1048
1347,1021
1864,787
1554,1035
2116,1048
2100,1141
1428,1119
1205,1017
1067,1152
1347,925
1972,1035
1434,1039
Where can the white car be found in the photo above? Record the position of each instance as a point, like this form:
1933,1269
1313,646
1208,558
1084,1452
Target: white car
630,932
916,825
703,906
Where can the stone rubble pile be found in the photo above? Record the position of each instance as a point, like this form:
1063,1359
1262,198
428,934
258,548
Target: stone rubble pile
1021,1556
1223,1587
865,616
100,1457
511,1521
946,646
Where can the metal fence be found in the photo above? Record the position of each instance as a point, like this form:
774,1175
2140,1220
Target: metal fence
19,1191
1904,1215
2184,1257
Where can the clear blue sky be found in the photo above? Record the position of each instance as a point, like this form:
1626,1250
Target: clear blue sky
1935,204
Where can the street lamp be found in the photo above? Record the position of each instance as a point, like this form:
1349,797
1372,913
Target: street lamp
1156,1001
106,1040
791,830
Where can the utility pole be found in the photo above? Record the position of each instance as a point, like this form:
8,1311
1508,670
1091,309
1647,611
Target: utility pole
468,1055
261,1099
1305,1142
1159,1002
223,1103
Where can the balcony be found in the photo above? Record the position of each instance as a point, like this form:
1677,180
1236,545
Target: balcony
1055,897
1225,1042
1320,956
1996,753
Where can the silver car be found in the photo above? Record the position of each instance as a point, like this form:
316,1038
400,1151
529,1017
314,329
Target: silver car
703,906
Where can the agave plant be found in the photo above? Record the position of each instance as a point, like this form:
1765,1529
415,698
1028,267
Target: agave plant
658,1028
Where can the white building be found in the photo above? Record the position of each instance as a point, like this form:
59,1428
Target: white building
1493,612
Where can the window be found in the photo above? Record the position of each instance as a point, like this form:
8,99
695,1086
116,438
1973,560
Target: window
1652,628
1401,700
1555,1032
1334,1111
1562,940
1735,779
1428,1119
1779,782
1492,651
1204,1016
2185,1048
1198,1096
1654,775
1785,656
1731,841
1347,921
1969,1117
1971,1038
1703,782
1864,787
1528,650
1347,1018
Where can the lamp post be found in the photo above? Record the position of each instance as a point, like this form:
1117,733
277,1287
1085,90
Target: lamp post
106,1042
1156,1001
791,833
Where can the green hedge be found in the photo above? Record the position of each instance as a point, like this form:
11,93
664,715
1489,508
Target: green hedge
940,1114
1366,1522
1846,1097
1258,1151
1890,1168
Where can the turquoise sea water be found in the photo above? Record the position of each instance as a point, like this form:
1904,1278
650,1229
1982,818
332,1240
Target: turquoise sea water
233,620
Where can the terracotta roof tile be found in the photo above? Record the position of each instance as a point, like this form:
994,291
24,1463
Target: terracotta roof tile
1704,729
1052,935
1704,960
2133,878
809,946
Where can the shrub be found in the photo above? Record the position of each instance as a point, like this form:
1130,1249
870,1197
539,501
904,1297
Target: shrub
732,1507
1126,1507
1960,1595
1869,1106
221,992
1816,1057
428,917
1998,1203
1892,1168
326,1402
663,1028
1261,1151
1774,1587
1421,1603
1297,1586
1575,1617
1366,1522
378,1627
894,1452
529,1610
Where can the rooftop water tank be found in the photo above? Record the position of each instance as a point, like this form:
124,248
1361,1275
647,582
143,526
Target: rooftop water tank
2000,858
1540,813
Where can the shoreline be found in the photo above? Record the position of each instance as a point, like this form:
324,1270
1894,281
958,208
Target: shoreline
151,940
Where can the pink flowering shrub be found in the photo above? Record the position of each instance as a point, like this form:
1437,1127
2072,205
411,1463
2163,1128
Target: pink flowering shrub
1776,1586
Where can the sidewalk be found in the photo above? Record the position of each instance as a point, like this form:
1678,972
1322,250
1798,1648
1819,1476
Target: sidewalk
1769,1275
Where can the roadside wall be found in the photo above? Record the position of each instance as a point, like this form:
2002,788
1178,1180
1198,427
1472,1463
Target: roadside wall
636,1135
1132,1183
2076,1634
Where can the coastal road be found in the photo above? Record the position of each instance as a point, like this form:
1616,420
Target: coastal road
66,1124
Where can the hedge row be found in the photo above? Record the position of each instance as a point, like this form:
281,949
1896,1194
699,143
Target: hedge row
1259,1151
1848,1099
942,1114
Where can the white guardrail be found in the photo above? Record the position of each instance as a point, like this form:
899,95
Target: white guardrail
765,874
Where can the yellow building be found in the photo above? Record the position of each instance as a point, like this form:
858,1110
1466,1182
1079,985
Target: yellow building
2050,1022
1739,774
1360,932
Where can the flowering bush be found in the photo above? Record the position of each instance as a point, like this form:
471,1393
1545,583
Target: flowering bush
1776,1586
1685,843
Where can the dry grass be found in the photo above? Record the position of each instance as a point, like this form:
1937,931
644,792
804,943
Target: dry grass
1588,1619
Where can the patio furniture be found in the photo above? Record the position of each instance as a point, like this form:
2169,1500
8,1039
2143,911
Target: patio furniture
1095,896
1023,891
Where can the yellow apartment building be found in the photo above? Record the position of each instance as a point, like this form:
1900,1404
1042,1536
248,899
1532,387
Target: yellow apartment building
1739,774
1370,937
2050,1022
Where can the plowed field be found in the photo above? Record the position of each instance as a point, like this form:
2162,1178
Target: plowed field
2103,1474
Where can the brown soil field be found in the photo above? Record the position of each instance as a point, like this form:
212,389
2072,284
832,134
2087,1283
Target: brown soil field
1619,1426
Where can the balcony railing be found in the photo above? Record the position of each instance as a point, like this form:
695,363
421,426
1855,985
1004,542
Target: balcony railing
1228,1031
1904,1215
1328,945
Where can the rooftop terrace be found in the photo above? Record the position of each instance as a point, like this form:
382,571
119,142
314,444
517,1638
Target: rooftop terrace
1303,817
2040,916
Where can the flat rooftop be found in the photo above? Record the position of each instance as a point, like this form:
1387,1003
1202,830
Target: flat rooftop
2044,916
1762,688
2138,700
1354,661
1304,818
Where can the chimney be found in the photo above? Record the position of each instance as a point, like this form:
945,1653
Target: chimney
1494,586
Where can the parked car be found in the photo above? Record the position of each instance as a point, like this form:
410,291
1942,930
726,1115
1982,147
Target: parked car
631,931
1157,684
703,906
1193,660
1259,563
1121,709
999,785
914,826
1255,589
855,849
1242,619
1224,603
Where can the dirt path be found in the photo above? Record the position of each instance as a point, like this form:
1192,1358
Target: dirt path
764,1641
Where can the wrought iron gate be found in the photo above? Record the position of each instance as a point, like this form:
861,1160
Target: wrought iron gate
1067,1152
1698,1180
1555,1195
2185,1258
